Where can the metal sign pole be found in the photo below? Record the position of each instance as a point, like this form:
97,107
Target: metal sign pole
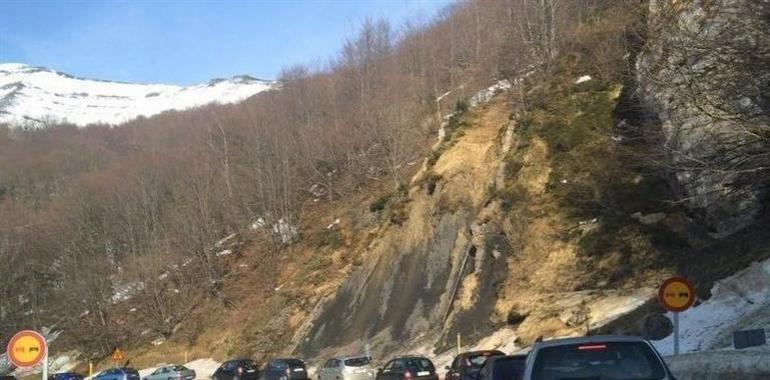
676,333
45,365
458,344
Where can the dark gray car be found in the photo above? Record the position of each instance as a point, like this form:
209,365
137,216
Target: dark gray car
124,373
285,369
596,357
408,368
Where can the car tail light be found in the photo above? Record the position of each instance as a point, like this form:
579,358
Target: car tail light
288,371
593,347
240,370
408,375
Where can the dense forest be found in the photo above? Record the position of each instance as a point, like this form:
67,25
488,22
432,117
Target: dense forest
91,212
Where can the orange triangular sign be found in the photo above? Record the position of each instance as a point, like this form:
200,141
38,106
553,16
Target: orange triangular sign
118,355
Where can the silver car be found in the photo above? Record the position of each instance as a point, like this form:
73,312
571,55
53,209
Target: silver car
347,368
596,357
171,372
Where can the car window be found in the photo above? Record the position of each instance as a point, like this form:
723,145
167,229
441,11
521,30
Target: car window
357,362
456,364
507,368
613,360
477,361
294,363
419,364
278,365
228,366
398,366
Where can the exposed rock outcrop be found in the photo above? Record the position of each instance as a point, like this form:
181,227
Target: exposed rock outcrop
705,74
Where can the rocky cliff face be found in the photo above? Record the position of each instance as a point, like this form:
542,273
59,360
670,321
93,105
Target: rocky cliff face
705,74
407,286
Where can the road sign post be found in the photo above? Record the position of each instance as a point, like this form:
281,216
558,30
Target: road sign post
676,333
676,294
45,365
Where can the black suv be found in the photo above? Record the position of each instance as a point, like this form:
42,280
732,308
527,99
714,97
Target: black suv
467,365
238,369
503,368
408,368
285,369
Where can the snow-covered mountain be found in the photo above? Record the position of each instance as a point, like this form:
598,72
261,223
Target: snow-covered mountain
31,94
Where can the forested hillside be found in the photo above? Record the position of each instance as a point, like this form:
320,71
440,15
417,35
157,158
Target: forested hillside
235,226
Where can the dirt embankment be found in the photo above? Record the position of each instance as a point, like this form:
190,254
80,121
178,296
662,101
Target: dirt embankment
407,283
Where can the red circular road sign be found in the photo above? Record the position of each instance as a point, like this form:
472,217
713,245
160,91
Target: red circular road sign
677,294
27,349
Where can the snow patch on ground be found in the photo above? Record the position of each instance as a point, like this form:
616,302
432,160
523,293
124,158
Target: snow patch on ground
488,93
124,292
203,368
721,365
584,78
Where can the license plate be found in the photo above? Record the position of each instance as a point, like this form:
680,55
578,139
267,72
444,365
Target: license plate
299,370
251,370
423,373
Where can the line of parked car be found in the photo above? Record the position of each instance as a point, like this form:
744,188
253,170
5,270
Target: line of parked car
595,358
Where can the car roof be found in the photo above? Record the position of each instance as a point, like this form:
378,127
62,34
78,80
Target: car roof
411,357
503,357
480,352
589,339
349,357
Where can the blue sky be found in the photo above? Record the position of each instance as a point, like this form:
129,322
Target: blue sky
190,41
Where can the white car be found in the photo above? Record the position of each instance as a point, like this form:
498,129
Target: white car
347,368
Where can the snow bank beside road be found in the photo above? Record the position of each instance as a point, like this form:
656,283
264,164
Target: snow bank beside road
721,365
203,368
738,302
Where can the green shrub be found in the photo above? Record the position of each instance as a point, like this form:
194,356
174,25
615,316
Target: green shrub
378,204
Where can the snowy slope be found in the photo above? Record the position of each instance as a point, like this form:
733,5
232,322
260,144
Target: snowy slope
33,93
738,302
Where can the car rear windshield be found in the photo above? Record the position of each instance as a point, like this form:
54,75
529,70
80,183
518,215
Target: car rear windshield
179,368
247,364
130,371
606,361
419,364
477,361
357,362
295,363
509,368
